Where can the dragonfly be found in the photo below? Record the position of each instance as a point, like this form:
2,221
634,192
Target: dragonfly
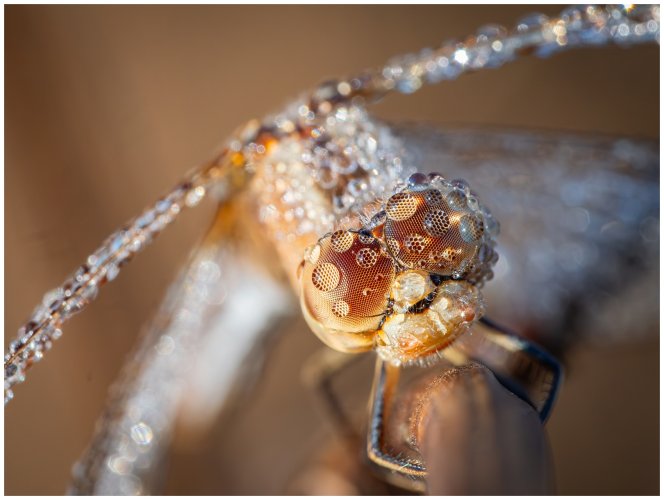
325,165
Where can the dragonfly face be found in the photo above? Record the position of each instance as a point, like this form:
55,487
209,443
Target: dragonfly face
407,282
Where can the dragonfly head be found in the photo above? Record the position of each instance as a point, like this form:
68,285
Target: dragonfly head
407,284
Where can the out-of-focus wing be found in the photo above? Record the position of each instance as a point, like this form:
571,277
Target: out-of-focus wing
200,345
579,242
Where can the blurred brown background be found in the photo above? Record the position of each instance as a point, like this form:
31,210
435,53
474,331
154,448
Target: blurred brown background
107,106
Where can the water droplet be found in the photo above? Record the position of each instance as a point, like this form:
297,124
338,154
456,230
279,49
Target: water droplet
325,277
142,434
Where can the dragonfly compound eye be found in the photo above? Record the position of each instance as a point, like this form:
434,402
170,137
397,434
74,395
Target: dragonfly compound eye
346,279
437,227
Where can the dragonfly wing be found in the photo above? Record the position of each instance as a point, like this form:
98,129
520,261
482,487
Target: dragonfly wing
199,347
